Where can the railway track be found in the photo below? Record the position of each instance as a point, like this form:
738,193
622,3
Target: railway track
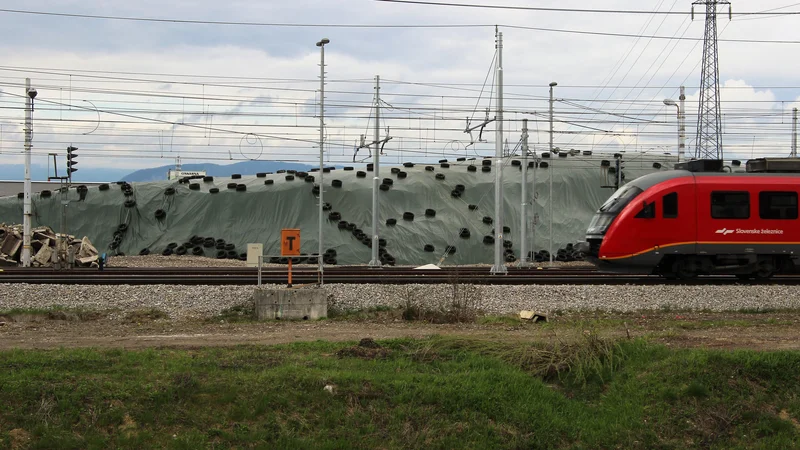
350,275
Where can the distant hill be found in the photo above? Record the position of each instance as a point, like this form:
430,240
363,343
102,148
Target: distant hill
217,170
16,172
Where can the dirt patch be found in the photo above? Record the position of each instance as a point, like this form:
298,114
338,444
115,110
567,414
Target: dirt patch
145,315
772,331
367,348
19,438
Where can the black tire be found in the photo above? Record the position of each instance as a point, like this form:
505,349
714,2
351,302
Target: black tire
236,176
167,252
472,169
309,178
486,162
172,245
430,212
464,233
209,243
342,225
130,203
198,251
104,187
439,176
326,206
289,177
488,240
268,182
408,164
222,254
408,216
486,169
473,207
349,168
213,191
507,243
194,186
180,251
395,170
455,193
444,165
230,247
220,241
487,220
388,181
461,188
351,226
336,183
291,171
45,193
315,190
516,162
361,174
543,165
241,187
123,227
402,175
382,242
450,250
384,187
261,175
144,252
461,159
391,222
428,248
197,240
232,254
336,216
169,191
429,168
231,185
330,252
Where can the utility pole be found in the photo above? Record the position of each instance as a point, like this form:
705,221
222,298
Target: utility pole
499,266
794,133
321,45
682,126
523,238
618,173
375,261
550,172
30,94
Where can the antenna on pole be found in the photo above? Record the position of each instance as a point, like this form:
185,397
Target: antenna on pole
709,127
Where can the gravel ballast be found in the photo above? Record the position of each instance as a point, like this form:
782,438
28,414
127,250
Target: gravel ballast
181,302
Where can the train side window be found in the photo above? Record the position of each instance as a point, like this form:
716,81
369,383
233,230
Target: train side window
777,205
648,211
670,205
730,205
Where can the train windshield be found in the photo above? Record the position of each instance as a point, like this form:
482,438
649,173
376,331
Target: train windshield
620,199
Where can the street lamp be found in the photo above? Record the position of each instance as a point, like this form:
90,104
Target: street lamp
321,45
550,177
681,124
26,206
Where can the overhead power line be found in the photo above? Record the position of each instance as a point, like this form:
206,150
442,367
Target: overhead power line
398,26
573,10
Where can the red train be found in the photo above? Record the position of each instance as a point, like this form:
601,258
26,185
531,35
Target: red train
698,220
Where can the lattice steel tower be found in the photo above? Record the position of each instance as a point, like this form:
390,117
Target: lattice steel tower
709,126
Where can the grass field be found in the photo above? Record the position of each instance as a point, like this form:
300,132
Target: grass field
429,393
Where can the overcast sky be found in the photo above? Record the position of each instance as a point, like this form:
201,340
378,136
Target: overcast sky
197,90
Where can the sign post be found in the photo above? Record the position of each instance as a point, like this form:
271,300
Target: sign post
290,246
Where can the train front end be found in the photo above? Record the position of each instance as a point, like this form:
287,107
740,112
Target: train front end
602,221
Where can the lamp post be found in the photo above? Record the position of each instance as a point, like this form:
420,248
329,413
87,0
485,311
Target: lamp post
681,123
321,45
550,201
30,93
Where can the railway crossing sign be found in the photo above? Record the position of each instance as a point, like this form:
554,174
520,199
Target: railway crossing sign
290,242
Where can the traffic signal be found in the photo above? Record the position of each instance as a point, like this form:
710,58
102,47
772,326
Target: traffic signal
71,160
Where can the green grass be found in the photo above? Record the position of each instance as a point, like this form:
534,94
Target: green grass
432,393
56,312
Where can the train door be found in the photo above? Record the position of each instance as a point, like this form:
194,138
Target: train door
667,219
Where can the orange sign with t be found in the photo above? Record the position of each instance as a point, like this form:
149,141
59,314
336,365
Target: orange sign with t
290,242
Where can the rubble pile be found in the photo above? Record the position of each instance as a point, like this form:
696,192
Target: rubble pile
46,248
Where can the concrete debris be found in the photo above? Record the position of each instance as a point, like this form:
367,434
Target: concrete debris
45,245
532,316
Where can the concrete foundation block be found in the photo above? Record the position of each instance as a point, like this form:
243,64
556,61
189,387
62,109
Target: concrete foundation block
290,304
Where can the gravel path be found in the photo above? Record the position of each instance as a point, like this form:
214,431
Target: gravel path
202,301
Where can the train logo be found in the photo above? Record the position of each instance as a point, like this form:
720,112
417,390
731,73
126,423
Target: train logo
724,231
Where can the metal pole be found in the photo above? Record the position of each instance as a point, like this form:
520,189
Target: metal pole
523,238
26,223
794,133
682,126
375,261
321,45
499,262
550,172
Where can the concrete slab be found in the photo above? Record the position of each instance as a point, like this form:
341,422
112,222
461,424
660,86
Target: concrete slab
290,304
